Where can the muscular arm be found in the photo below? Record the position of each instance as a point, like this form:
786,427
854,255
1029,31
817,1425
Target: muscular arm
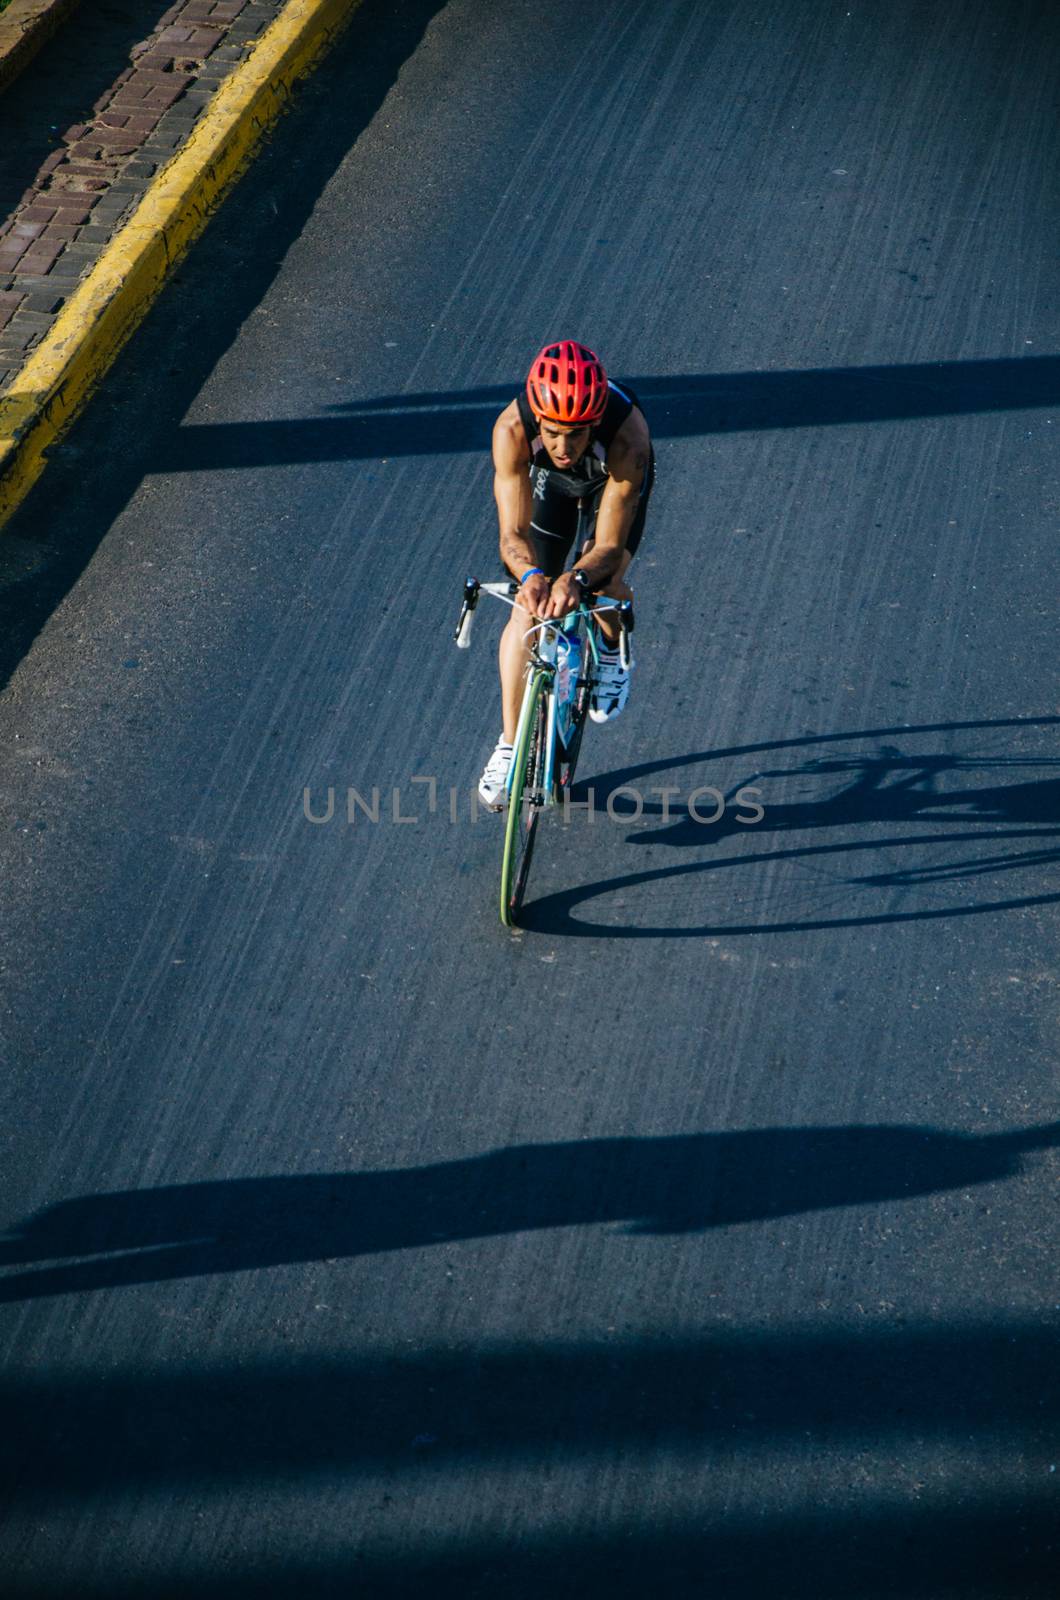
511,490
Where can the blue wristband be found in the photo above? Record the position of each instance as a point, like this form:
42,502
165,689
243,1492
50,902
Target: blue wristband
531,572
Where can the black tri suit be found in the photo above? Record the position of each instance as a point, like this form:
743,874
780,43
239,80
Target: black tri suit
565,502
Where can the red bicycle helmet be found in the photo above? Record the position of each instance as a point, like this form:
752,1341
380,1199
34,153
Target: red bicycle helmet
567,384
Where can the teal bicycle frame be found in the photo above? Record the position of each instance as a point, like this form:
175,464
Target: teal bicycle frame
553,638
551,721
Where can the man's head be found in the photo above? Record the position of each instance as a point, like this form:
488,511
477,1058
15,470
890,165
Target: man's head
565,446
567,391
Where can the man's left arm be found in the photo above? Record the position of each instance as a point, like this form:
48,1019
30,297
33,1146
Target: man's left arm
627,464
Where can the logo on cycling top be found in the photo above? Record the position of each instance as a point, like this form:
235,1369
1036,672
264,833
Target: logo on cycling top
541,483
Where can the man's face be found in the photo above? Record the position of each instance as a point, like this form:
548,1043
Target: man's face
565,446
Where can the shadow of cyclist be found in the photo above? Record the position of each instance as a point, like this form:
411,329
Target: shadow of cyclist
682,1184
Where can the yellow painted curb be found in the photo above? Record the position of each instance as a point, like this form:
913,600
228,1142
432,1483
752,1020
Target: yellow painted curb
111,300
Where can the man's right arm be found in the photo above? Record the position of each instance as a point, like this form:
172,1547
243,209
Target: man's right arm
511,490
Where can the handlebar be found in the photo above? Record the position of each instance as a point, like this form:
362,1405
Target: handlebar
507,592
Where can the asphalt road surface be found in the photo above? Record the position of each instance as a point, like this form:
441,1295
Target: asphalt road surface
702,1234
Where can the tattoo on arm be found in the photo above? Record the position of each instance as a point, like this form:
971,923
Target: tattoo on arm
512,554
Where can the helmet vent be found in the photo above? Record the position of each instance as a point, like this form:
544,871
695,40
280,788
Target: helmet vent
567,384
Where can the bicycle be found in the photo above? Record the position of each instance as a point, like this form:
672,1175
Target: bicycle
559,683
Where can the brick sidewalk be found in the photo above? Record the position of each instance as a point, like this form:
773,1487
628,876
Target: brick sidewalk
84,190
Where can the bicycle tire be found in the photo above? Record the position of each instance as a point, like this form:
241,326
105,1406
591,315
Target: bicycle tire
524,806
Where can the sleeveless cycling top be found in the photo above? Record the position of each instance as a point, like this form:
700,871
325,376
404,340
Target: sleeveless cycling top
590,473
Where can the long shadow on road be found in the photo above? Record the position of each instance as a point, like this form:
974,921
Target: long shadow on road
729,1391
967,1550
867,1453
677,406
679,1185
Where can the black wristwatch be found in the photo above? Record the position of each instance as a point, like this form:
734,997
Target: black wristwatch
584,582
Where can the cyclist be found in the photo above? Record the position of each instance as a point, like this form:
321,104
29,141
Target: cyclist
574,469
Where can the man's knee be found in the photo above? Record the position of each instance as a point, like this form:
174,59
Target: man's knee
618,589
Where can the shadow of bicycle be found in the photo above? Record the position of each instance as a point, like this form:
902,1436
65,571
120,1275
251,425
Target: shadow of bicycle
940,826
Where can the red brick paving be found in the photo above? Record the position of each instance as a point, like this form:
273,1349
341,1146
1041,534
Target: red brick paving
9,304
143,121
164,94
117,141
73,207
41,256
57,210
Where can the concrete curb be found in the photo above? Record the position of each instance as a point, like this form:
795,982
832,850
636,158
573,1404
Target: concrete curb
24,26
108,304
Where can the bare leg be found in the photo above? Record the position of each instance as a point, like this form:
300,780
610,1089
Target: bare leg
514,654
617,589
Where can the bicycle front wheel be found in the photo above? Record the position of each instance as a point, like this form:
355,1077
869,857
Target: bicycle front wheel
526,801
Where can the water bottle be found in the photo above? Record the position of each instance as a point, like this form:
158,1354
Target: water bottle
568,671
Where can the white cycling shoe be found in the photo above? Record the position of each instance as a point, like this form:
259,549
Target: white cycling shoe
611,689
491,783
